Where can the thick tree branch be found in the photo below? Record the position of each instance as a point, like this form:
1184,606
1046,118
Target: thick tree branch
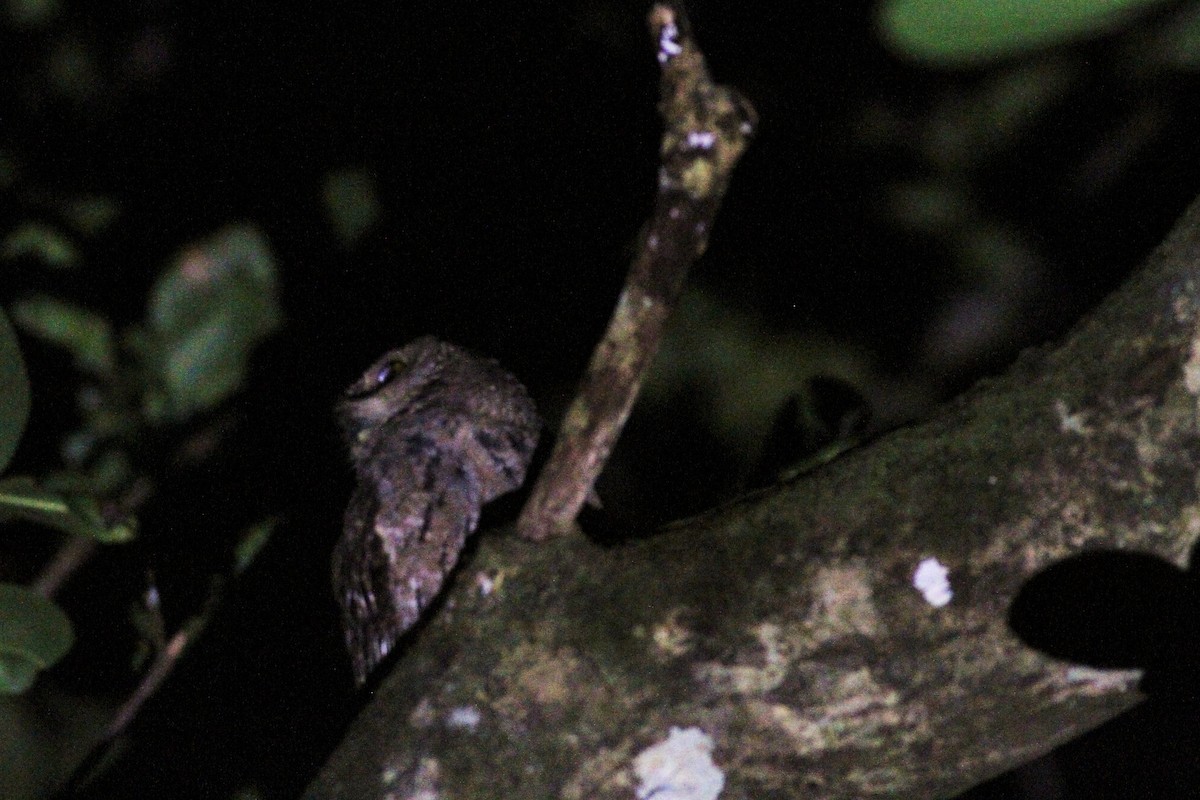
786,626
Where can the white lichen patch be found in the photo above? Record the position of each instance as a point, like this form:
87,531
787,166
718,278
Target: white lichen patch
464,718
1068,422
745,679
1191,369
668,43
679,768
932,580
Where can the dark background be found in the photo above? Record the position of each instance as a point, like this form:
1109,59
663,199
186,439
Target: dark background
513,148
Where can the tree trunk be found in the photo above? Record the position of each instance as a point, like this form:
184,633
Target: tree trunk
787,627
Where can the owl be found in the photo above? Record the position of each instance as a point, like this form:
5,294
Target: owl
434,432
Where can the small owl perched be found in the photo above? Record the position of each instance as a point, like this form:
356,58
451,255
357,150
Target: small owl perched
434,432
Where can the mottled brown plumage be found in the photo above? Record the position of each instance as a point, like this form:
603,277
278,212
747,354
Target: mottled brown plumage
434,432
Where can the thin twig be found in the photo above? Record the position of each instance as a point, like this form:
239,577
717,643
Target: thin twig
78,550
164,663
707,128
74,552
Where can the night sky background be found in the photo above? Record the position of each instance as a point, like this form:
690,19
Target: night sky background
513,152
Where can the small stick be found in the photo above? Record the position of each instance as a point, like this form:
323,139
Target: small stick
74,552
164,663
706,129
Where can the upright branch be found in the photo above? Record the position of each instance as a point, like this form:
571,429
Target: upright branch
707,128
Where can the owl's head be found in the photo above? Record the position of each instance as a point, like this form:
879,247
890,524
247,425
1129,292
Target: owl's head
386,389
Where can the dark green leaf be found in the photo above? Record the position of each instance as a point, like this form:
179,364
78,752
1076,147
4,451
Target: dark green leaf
34,635
14,392
967,32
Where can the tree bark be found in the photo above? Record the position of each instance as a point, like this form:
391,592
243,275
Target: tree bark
786,626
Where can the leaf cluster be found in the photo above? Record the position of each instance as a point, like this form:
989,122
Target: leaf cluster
205,315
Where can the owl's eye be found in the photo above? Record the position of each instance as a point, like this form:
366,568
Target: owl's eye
388,371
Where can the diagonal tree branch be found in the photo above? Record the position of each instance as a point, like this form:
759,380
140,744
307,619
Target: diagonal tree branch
787,628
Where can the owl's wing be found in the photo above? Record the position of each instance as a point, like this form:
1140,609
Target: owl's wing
402,538
500,453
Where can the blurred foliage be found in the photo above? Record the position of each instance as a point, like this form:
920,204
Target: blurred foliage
85,334
40,241
1179,44
206,314
28,14
34,634
1005,119
745,377
14,392
76,513
251,543
959,33
148,394
351,203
